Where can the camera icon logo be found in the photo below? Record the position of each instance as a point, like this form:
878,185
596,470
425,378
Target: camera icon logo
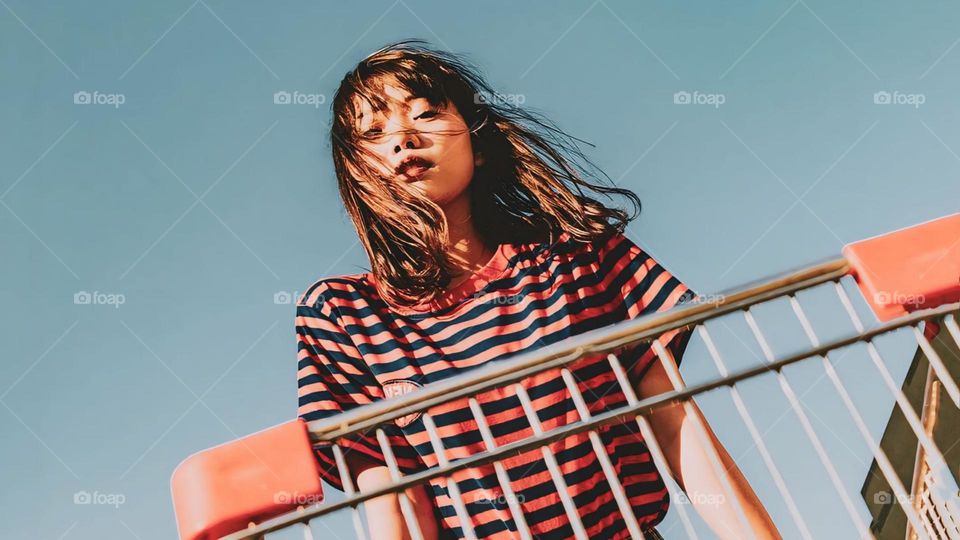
281,98
282,297
82,497
882,98
82,298
81,98
681,98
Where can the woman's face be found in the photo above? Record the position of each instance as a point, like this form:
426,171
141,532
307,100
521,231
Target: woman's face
427,147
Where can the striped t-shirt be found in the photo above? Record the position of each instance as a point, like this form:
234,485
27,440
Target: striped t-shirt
354,349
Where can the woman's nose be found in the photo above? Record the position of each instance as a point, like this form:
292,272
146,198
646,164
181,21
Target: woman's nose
408,140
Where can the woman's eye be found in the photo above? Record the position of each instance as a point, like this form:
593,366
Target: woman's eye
427,114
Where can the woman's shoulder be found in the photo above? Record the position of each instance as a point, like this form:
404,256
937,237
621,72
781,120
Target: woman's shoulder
330,292
600,246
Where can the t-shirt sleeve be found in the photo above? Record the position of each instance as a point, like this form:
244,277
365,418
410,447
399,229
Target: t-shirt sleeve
646,287
333,378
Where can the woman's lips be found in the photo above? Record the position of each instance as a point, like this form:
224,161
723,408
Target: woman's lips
415,172
414,169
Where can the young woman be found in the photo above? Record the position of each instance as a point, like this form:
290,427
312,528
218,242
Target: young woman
483,243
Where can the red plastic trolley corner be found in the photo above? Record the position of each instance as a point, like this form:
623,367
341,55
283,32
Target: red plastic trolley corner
910,269
220,490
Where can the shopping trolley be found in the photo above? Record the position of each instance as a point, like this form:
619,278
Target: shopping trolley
911,280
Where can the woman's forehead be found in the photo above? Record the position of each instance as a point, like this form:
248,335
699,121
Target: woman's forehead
393,99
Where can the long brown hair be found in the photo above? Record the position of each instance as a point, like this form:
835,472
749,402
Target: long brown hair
530,187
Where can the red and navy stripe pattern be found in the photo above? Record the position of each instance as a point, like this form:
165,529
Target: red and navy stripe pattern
354,349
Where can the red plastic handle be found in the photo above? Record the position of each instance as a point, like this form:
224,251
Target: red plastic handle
221,490
909,269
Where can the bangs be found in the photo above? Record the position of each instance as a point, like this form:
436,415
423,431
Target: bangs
419,79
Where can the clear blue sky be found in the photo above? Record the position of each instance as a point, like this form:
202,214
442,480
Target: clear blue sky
197,199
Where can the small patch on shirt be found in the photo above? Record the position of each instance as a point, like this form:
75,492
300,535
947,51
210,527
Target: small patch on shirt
399,387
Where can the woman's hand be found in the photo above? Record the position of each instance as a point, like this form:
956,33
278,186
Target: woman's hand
691,464
384,517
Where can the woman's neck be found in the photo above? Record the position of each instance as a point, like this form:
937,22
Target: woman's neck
466,247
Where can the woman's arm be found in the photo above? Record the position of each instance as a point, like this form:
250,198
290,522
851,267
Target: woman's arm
383,513
692,465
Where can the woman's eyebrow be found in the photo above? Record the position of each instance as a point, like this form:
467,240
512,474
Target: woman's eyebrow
404,105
